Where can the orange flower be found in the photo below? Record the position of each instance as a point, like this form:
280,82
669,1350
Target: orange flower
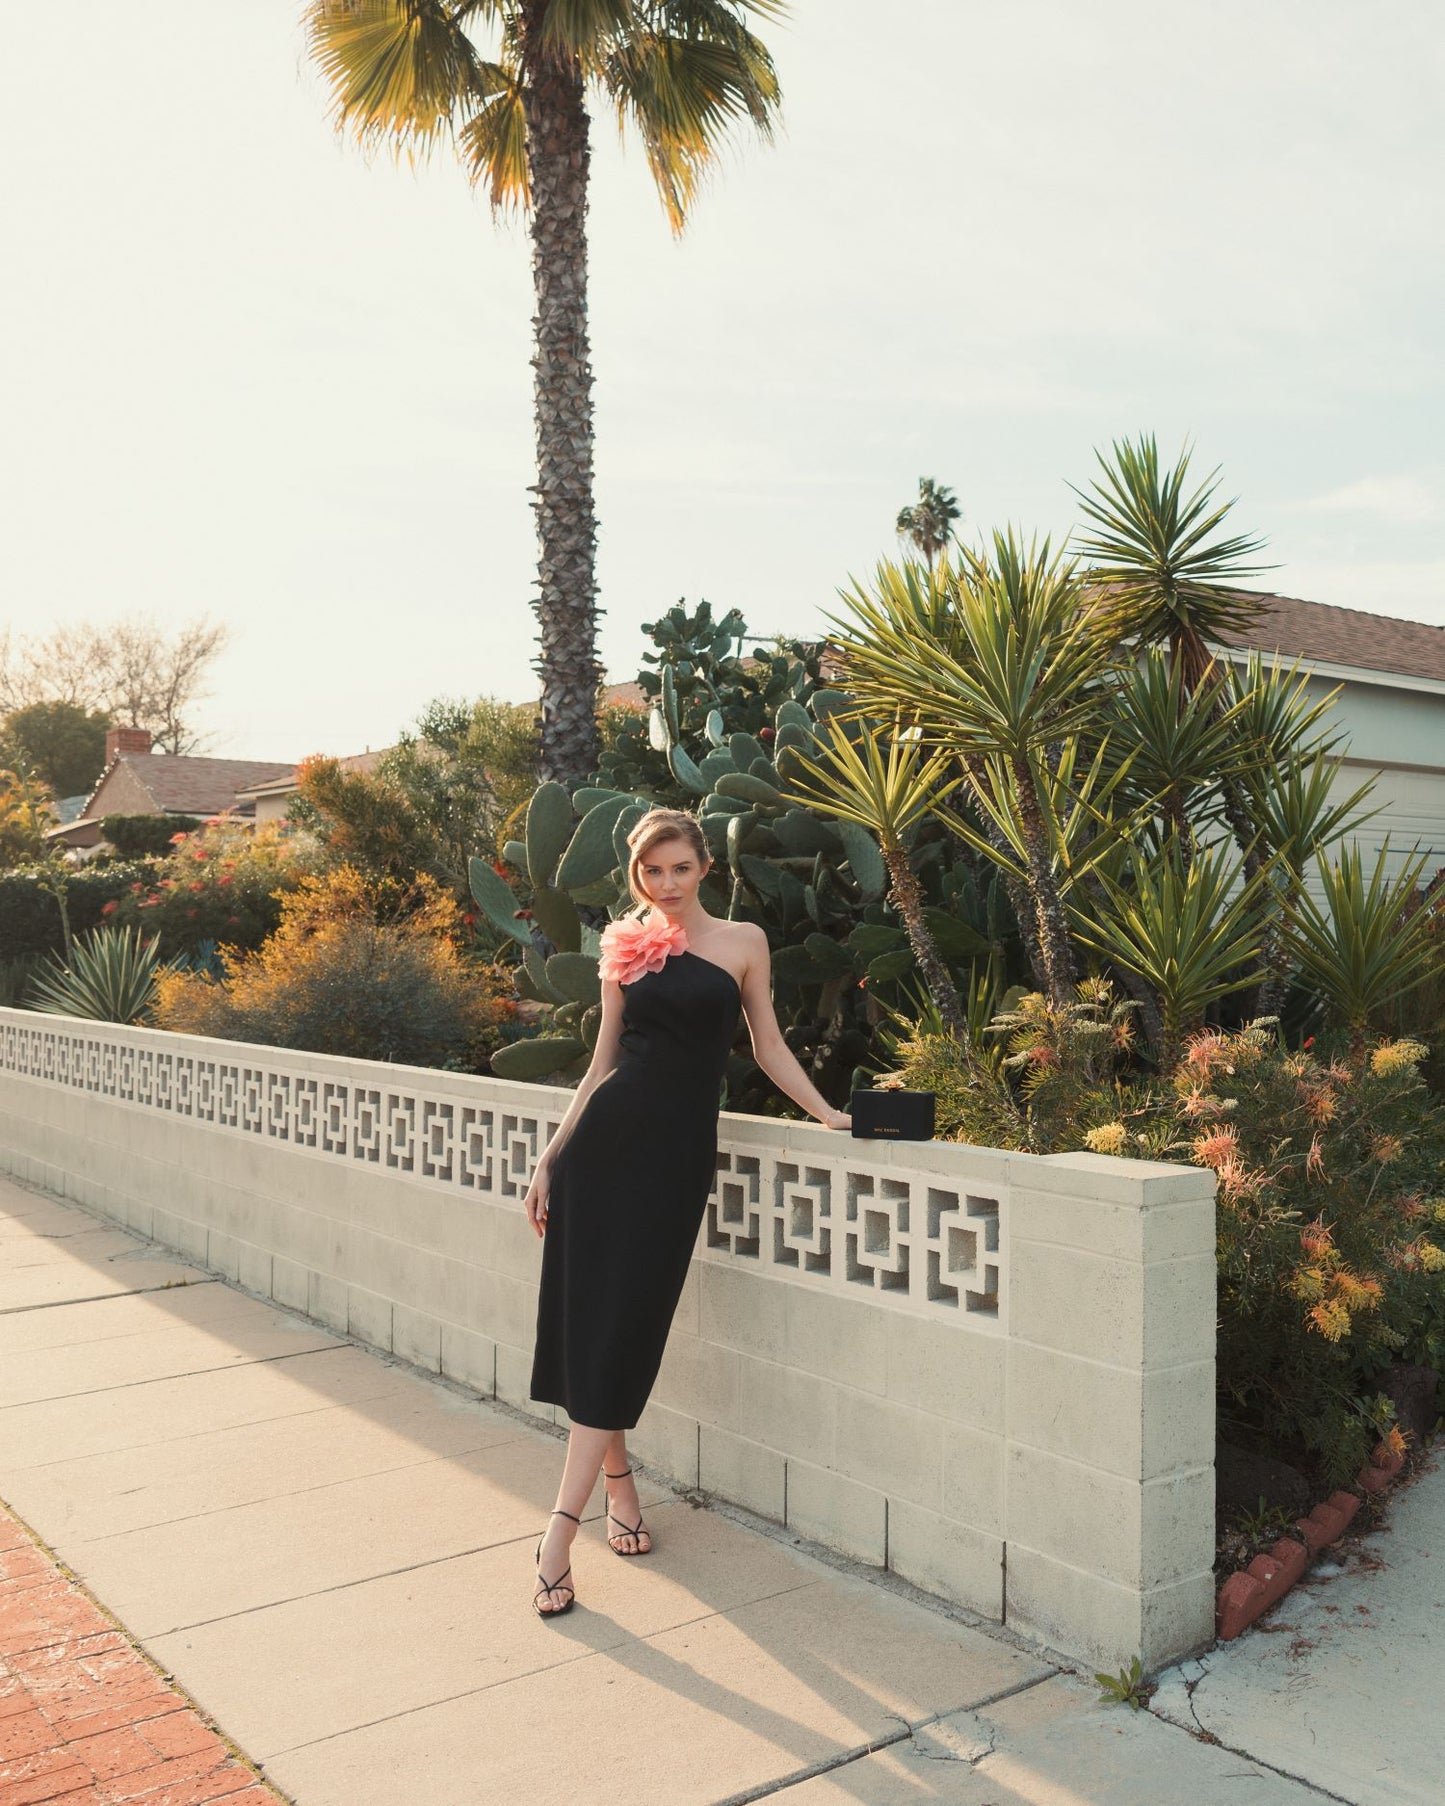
1217,1149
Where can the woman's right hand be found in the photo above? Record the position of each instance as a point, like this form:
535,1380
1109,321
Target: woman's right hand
535,1202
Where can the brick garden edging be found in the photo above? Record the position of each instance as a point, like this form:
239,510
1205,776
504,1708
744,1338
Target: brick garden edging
1251,1591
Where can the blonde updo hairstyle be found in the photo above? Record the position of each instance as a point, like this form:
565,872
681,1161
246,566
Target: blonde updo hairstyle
656,826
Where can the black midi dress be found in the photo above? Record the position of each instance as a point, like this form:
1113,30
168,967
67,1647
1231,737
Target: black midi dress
627,1194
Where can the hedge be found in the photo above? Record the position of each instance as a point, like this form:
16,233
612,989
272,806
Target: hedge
30,916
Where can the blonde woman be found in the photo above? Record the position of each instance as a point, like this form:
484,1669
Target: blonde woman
618,1194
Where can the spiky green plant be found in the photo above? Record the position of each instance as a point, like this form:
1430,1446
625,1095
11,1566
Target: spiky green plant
110,977
1190,929
1365,943
1163,572
889,796
1016,675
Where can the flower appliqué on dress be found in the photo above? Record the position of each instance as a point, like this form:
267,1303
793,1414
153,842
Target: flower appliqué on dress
634,946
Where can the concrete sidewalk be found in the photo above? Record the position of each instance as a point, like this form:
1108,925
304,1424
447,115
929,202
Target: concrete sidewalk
331,1553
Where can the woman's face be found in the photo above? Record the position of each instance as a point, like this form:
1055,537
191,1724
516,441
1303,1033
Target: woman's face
670,874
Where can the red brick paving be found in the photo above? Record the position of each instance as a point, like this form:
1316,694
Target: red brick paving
85,1719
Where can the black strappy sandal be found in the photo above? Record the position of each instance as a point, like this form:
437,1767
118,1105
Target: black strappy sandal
632,1530
556,1586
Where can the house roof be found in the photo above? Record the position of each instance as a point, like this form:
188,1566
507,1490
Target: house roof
190,786
1320,633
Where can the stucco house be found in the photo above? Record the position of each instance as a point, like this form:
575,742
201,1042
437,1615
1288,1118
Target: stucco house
1391,708
138,781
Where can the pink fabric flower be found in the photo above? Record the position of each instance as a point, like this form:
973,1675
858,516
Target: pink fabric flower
636,945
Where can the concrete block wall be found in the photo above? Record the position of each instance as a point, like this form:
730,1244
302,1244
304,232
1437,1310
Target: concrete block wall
992,1374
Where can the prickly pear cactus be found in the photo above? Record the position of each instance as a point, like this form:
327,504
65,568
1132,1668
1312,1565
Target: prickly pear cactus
721,740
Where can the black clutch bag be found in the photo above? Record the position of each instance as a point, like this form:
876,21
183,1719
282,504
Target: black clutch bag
893,1115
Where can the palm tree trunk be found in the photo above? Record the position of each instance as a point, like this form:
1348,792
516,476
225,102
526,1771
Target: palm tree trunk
906,896
558,159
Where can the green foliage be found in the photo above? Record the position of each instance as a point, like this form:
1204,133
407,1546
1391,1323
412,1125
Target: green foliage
1190,929
223,883
1126,1688
1367,945
16,976
25,814
146,836
432,800
1162,570
30,918
368,969
110,977
61,743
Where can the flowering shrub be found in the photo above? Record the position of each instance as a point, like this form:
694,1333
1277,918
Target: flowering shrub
1331,1244
371,970
221,883
1331,1226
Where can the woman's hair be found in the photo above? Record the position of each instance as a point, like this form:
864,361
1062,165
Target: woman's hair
658,825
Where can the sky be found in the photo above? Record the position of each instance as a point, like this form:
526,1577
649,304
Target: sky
247,373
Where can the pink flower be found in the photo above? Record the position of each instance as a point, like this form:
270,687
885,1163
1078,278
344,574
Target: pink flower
634,946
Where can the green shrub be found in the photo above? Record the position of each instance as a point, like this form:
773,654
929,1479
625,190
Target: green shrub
145,836
30,922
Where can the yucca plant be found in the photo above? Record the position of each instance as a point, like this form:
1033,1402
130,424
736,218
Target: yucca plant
1366,944
852,779
1013,671
111,977
1164,574
1190,929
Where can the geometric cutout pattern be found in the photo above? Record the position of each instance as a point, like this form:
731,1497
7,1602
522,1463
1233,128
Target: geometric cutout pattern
929,1243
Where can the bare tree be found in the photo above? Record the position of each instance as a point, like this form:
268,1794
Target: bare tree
131,671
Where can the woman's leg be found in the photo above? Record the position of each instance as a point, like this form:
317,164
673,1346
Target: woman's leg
622,1501
585,1450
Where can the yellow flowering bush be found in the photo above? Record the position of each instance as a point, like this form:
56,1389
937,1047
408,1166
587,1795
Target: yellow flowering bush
369,969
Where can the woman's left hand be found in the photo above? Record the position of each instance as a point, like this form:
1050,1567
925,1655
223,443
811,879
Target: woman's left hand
837,1119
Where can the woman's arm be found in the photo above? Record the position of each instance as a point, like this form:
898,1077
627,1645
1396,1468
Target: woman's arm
604,1058
770,1050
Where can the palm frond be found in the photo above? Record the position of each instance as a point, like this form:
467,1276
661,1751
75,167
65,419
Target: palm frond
493,141
682,80
398,70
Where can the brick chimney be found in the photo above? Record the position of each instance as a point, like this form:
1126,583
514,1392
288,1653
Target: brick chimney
126,740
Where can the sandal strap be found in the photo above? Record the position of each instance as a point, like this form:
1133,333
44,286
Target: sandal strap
559,1513
637,1529
622,1476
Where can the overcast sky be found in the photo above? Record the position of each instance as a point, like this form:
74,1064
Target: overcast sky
249,375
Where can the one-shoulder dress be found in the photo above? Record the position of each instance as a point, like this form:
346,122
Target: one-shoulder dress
627,1194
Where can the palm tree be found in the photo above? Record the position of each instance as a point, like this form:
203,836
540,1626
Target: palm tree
928,523
407,73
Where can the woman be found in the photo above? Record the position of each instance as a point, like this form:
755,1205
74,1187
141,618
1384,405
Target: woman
620,1190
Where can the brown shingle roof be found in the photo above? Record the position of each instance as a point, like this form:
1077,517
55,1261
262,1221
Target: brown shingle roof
187,786
1321,633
